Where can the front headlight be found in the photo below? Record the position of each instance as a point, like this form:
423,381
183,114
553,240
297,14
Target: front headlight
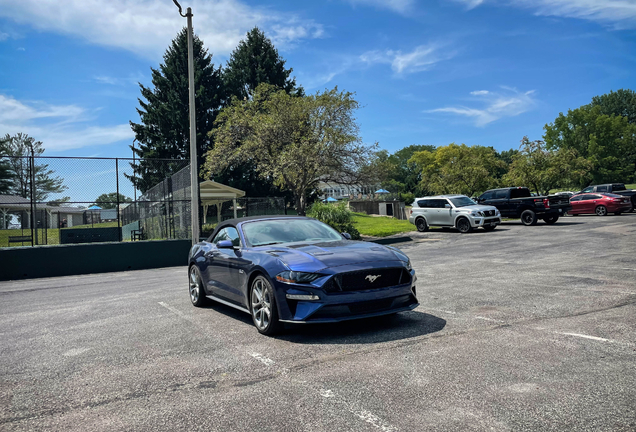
297,277
409,267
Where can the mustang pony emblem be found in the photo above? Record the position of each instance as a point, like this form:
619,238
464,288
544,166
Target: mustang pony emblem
372,278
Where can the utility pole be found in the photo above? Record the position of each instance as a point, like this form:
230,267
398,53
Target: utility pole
194,181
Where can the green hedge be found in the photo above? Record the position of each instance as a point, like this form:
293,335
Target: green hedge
337,216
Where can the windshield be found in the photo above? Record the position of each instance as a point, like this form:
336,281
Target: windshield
462,201
275,231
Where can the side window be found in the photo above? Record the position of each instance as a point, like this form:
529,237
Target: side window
438,203
487,196
602,188
576,198
221,235
519,193
233,235
618,187
501,194
588,189
423,203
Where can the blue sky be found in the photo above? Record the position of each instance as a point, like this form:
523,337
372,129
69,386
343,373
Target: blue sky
481,72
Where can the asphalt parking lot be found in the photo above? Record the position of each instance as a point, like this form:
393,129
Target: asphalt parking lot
522,328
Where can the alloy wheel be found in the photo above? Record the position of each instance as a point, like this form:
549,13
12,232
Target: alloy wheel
195,288
261,304
463,225
601,210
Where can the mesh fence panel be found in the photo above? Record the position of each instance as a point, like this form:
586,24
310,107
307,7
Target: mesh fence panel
50,200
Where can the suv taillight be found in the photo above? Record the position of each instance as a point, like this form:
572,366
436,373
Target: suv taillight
546,203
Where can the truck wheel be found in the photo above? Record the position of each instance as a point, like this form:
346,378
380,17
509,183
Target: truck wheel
601,211
551,220
528,218
421,225
463,225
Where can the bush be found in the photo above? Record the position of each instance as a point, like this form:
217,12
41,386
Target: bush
207,229
338,216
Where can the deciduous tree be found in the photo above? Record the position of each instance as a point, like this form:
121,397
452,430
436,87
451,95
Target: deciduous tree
543,170
296,141
110,200
458,169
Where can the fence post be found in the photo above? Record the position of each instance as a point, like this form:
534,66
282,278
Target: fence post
34,229
117,181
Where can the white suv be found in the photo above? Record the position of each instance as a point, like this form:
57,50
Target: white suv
457,211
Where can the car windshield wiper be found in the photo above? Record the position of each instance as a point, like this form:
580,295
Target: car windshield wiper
268,244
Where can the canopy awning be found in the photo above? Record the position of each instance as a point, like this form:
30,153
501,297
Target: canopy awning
213,193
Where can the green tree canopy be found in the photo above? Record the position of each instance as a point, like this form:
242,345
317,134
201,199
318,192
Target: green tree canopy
458,169
164,130
6,175
607,141
542,170
620,103
110,200
397,172
254,61
296,141
46,183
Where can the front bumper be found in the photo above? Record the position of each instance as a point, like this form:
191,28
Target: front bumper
479,221
341,306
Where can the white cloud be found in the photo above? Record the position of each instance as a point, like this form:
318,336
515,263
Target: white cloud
621,13
420,59
508,103
400,6
146,27
3,36
59,127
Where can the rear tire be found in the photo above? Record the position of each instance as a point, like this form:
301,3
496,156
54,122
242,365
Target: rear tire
551,220
601,211
421,225
463,225
529,218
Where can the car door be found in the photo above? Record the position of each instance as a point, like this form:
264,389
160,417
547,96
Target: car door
500,200
424,209
576,204
445,212
587,203
223,266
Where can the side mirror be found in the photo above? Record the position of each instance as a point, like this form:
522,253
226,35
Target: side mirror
225,244
447,206
346,235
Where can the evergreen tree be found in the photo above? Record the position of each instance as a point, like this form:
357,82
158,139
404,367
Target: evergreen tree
254,61
6,176
164,130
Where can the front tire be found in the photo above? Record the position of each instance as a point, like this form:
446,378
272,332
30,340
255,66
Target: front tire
551,220
197,293
601,211
421,225
463,225
263,306
528,218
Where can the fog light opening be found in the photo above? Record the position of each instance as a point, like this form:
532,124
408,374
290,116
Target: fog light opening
309,297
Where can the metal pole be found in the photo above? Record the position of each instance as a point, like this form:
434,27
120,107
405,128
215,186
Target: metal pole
32,199
194,181
118,219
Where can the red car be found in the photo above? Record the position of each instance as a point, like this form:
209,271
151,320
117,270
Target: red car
599,203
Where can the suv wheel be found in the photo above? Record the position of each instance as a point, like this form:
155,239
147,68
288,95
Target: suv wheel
528,218
463,225
421,225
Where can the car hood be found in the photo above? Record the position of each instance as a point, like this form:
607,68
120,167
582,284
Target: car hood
311,257
477,207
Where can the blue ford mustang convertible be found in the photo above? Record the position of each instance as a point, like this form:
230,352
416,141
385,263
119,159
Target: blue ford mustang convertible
298,270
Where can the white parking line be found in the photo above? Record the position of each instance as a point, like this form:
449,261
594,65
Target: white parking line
175,311
489,319
596,338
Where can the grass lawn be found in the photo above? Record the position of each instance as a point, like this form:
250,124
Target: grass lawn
631,186
380,226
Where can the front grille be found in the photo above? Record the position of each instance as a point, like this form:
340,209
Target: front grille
489,213
368,279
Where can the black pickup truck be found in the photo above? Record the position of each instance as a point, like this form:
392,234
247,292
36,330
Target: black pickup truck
615,188
518,202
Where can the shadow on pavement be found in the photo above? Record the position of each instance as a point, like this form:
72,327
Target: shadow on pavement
399,326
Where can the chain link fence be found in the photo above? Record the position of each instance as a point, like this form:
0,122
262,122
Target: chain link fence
65,200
